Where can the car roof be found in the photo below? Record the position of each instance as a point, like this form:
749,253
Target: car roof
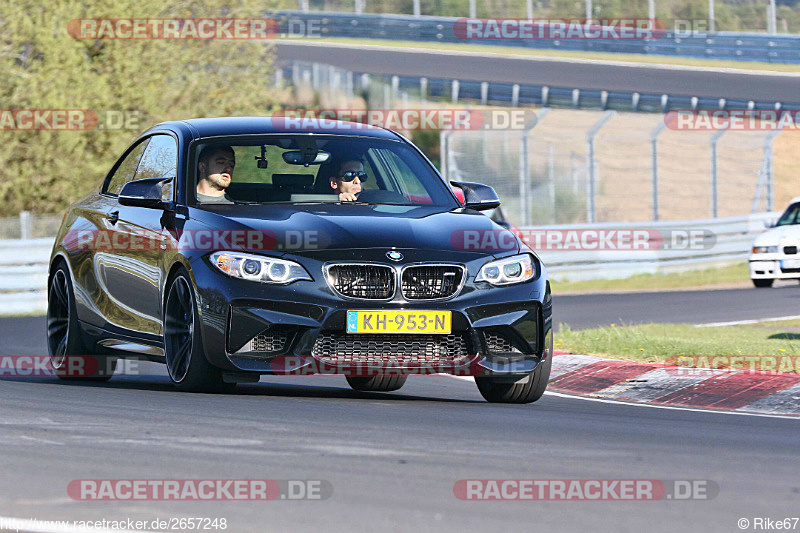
222,126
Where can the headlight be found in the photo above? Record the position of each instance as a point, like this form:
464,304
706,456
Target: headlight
259,268
765,249
509,270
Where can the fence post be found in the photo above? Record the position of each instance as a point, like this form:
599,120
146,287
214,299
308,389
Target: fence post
551,179
654,165
712,23
444,147
524,179
770,170
472,9
349,86
417,10
303,5
315,75
454,91
525,192
25,227
714,191
591,212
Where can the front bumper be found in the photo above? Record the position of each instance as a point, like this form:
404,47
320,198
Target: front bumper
774,266
249,327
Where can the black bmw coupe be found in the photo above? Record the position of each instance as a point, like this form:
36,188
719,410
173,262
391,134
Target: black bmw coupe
228,248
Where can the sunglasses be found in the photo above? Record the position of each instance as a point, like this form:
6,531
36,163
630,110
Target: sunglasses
350,175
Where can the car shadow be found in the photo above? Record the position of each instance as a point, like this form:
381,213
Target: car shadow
785,336
271,388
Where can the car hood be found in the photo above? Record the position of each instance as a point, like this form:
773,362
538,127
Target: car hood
779,235
309,228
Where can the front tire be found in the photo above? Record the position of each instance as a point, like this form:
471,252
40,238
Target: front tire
187,365
69,355
376,383
526,390
762,283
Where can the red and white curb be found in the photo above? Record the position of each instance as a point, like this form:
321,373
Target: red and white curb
659,385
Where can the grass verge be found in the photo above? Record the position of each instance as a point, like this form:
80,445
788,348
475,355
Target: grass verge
663,343
572,54
729,276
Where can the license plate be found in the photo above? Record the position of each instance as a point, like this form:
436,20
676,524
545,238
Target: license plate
399,322
790,263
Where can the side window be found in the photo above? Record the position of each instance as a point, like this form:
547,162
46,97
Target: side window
406,179
126,170
160,161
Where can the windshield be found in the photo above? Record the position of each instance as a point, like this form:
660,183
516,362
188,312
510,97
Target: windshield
791,216
307,168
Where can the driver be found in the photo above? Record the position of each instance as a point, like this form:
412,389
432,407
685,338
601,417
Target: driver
215,170
347,181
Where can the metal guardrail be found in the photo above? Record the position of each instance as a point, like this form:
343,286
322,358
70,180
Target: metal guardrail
23,275
23,263
733,240
720,45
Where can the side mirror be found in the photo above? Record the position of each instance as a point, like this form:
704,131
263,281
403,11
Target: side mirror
143,193
477,196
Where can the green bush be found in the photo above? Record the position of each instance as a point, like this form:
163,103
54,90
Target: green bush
147,80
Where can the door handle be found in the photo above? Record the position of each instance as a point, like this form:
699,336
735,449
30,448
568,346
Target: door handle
113,217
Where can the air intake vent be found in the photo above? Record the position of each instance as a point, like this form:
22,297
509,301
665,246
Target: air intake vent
368,282
343,348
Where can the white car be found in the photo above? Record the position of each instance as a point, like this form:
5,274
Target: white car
775,252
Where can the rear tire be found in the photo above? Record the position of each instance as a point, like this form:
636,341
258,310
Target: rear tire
65,338
376,383
526,390
187,365
762,283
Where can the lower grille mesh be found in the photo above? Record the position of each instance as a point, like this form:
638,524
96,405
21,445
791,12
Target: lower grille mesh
343,348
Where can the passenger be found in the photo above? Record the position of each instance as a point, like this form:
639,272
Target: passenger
215,171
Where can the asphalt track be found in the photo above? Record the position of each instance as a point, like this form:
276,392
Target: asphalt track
392,459
557,72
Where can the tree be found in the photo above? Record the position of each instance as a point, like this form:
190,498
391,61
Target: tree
146,81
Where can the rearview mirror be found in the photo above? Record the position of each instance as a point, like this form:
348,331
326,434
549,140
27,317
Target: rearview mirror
297,157
477,196
144,193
